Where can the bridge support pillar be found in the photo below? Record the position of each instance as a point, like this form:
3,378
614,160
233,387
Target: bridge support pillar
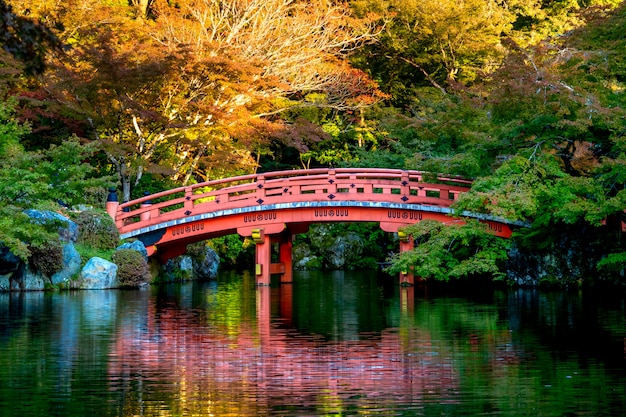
263,256
264,268
406,244
285,258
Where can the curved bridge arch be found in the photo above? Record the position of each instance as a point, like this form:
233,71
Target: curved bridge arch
271,207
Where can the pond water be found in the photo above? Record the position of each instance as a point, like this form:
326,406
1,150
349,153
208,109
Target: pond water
330,344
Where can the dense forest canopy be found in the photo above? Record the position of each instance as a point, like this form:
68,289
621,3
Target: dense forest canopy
526,96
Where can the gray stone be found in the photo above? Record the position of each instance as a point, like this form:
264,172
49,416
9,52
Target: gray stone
206,263
9,263
98,274
136,245
343,250
71,265
178,269
338,251
31,280
68,232
185,264
5,283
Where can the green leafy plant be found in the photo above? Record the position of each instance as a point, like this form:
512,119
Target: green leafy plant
132,268
233,250
47,258
97,229
452,250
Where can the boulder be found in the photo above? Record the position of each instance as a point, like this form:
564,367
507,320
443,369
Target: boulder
136,245
206,263
71,265
337,250
178,269
9,263
5,283
68,232
30,280
304,259
344,250
98,274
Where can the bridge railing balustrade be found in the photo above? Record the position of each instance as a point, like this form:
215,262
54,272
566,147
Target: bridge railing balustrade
339,184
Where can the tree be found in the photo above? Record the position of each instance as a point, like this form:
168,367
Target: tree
38,180
452,250
197,88
25,39
435,42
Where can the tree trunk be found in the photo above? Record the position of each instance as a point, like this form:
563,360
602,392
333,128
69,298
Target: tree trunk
143,8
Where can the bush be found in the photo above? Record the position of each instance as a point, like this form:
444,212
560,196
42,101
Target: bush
97,229
132,269
47,259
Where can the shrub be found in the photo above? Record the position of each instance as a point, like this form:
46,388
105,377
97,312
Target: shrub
132,269
47,258
97,229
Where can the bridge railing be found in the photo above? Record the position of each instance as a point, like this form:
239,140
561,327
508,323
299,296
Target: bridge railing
314,185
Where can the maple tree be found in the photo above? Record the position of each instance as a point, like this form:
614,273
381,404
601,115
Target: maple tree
549,143
196,88
434,42
26,39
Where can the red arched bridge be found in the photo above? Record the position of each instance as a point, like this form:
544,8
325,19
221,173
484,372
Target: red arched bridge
272,207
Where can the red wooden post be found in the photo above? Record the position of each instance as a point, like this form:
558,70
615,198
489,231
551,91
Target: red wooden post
405,190
263,256
146,214
285,257
332,182
188,200
260,189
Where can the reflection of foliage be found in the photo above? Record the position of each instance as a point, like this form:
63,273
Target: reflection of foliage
233,304
452,250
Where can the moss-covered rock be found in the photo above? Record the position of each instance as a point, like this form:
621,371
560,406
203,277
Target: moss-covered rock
97,229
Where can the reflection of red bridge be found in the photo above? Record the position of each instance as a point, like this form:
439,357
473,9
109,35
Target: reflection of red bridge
255,370
271,207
